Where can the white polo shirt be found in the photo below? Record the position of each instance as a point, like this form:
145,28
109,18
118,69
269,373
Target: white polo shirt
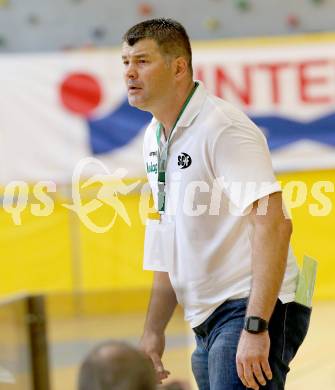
218,165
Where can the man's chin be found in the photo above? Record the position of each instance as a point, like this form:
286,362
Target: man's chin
137,104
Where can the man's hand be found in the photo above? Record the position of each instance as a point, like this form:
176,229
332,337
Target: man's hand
153,345
163,301
252,359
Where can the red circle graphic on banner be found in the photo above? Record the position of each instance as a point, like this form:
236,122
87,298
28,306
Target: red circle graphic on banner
80,93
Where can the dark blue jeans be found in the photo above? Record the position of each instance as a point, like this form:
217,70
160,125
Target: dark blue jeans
214,359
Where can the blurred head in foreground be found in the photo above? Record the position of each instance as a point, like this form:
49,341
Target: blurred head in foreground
115,365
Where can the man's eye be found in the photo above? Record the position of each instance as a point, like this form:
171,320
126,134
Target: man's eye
142,61
125,62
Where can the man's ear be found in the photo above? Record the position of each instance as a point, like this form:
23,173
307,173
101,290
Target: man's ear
180,67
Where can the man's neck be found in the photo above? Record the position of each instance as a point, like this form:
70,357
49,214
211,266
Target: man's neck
169,113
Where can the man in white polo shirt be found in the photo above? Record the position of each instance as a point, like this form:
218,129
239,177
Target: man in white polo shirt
221,247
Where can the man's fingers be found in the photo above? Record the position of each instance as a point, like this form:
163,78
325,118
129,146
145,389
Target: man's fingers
266,369
249,377
248,373
256,368
159,368
161,376
240,373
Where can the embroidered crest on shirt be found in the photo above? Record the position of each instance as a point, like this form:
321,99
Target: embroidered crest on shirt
184,160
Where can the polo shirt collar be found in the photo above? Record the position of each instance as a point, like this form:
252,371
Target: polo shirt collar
193,108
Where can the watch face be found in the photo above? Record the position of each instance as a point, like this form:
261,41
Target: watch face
253,324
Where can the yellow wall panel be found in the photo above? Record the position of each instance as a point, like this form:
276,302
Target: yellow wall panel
315,235
35,256
58,253
114,259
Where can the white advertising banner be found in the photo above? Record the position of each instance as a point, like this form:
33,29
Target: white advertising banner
57,108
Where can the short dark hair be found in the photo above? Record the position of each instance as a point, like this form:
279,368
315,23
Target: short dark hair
116,365
170,36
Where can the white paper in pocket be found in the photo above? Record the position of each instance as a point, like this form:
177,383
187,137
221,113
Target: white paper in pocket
159,245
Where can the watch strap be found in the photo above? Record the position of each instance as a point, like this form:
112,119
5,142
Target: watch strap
255,324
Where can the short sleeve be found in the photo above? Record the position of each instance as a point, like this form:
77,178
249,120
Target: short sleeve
242,165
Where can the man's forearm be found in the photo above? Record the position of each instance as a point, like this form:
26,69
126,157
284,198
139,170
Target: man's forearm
269,258
162,304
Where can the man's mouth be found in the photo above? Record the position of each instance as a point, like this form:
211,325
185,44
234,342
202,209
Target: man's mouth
133,89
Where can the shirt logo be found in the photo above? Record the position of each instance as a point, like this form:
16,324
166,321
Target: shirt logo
152,168
184,160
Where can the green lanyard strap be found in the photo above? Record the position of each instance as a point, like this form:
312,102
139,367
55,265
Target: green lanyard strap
162,154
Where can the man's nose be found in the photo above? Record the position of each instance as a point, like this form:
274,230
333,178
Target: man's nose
131,72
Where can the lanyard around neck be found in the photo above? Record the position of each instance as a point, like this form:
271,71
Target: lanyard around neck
162,153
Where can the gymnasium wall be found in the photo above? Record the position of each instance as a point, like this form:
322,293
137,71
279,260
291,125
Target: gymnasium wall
34,26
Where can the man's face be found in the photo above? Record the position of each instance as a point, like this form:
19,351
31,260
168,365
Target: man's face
147,74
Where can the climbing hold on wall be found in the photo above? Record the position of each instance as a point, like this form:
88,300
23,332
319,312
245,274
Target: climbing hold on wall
211,24
3,42
34,20
243,5
99,33
292,21
145,9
